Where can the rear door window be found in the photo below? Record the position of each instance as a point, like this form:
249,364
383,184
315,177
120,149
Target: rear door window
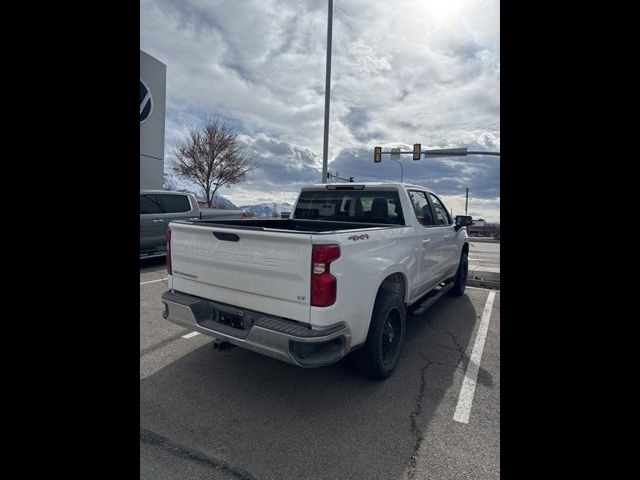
175,203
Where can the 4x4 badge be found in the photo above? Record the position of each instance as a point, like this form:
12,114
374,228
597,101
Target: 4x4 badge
355,238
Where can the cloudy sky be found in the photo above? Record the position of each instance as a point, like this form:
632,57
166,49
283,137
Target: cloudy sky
403,72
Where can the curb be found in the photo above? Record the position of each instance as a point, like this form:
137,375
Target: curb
483,240
479,283
484,278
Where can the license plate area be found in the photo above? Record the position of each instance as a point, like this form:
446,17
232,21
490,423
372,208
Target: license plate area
223,319
234,320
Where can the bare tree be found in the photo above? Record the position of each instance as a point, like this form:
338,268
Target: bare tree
212,156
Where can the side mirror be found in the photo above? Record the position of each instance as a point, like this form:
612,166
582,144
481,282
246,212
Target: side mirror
463,221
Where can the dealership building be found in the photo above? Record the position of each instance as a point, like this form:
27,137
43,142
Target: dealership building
153,79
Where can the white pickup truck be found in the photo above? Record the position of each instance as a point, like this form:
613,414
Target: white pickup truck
334,279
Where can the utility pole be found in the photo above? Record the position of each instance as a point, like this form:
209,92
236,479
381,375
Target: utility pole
466,203
327,96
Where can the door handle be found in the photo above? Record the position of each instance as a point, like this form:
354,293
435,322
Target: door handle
158,220
424,242
229,237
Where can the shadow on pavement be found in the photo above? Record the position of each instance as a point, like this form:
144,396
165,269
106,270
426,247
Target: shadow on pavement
278,421
152,264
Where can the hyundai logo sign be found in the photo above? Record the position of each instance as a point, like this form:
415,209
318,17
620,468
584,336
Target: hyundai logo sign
146,102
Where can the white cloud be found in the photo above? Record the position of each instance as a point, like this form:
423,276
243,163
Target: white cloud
405,71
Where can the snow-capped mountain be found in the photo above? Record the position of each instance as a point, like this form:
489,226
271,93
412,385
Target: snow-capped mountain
176,183
267,209
221,202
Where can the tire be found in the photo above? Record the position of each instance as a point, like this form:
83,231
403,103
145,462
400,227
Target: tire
461,276
378,356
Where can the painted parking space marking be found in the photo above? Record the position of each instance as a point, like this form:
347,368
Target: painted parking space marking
155,281
465,400
190,335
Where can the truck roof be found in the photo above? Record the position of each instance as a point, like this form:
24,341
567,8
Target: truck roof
164,191
371,184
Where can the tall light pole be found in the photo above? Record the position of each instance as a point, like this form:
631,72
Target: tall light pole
327,96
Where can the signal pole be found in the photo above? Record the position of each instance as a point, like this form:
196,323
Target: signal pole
466,203
417,153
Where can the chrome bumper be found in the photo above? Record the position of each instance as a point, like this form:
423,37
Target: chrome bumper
284,340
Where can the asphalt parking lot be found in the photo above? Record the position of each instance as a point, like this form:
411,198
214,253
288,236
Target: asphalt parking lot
484,253
239,415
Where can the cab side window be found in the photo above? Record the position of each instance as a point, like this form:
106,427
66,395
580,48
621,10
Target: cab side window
421,207
175,203
440,211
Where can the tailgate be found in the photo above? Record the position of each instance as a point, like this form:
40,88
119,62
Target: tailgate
268,271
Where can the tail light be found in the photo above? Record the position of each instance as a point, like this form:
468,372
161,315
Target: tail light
323,284
169,251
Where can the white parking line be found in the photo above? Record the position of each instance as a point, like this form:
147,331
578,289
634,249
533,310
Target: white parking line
154,281
463,409
192,334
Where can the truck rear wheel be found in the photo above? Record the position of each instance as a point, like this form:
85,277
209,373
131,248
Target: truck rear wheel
378,356
461,276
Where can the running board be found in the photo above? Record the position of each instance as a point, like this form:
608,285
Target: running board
432,297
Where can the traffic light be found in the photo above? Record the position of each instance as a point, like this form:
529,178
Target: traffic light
416,151
377,155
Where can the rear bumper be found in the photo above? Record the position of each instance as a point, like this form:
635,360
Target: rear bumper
284,340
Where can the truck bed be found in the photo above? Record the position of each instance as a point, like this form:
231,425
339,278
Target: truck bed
220,214
292,225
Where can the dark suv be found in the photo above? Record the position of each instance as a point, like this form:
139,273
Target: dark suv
157,209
